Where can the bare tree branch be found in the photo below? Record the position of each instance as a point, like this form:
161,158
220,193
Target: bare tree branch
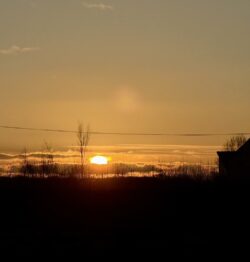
234,143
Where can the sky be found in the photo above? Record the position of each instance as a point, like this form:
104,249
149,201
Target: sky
171,66
162,156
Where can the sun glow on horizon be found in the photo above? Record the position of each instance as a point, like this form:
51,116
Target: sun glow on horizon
99,160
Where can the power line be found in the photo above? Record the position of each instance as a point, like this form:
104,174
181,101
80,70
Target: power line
123,133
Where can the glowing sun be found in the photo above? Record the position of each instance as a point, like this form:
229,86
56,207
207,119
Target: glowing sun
99,160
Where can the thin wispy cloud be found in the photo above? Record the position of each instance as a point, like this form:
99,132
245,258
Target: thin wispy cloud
100,6
15,50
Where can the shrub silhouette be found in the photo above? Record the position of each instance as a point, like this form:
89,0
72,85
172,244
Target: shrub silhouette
27,167
47,166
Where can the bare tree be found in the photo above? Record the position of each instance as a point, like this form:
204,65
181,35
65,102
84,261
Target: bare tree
25,162
49,153
27,167
234,143
83,135
47,160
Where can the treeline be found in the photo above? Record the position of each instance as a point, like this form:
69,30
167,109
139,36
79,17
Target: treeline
48,168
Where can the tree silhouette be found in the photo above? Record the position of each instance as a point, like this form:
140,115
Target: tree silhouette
234,143
47,160
25,162
82,141
27,167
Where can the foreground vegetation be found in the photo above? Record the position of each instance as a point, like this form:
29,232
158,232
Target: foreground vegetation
43,170
161,218
185,214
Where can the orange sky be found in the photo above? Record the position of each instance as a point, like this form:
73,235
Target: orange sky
124,66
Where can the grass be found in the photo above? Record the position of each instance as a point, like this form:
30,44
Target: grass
166,217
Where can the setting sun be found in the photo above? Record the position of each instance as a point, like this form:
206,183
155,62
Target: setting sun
99,160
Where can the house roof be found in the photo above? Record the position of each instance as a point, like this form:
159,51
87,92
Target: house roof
223,154
245,148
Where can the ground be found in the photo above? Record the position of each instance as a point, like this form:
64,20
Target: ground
124,218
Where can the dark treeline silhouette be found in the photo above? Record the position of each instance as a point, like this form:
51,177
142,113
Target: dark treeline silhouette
47,169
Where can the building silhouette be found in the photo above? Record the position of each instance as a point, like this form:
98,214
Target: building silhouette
235,163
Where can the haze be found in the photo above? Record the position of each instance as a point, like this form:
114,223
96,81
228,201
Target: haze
124,66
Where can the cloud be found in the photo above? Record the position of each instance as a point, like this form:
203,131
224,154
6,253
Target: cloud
100,6
15,50
4,156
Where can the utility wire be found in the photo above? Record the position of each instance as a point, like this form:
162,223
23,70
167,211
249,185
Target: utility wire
122,133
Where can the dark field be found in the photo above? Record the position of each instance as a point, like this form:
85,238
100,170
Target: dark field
125,218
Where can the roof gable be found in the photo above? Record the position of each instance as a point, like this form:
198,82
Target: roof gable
245,148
